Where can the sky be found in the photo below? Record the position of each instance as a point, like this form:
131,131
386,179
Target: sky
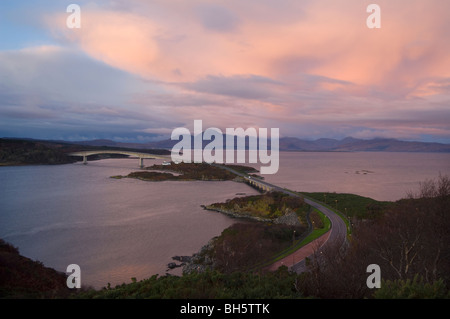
135,70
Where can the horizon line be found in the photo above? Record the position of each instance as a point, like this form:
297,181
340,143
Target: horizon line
246,136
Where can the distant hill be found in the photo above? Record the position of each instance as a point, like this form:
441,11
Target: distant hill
29,151
348,144
15,151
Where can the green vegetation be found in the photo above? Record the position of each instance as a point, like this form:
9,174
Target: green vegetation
321,224
151,176
244,246
269,205
410,243
416,288
253,245
351,205
240,168
206,285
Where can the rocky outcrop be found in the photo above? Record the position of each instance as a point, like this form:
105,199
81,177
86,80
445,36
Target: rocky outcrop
200,261
182,259
289,218
234,214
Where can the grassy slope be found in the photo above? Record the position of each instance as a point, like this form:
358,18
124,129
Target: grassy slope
351,205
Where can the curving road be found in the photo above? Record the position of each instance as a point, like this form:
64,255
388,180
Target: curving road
335,236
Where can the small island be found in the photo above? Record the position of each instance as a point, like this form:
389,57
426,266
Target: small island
276,207
186,172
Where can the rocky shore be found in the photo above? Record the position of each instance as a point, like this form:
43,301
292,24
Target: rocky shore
289,218
198,262
205,258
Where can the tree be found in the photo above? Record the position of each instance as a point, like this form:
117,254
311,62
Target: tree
410,240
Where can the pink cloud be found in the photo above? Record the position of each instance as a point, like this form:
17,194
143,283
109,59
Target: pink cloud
120,39
331,34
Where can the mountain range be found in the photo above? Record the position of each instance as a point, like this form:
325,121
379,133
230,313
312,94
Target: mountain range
348,144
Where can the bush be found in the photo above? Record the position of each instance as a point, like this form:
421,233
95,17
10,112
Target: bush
416,288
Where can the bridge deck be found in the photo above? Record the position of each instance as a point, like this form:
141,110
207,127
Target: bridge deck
129,153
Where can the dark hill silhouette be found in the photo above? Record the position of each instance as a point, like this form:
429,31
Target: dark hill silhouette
348,144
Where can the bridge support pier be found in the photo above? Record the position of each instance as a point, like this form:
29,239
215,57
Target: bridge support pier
84,160
141,162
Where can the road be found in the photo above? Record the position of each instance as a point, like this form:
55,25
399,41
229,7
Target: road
335,236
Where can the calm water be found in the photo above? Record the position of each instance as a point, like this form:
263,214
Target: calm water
113,229
382,176
118,229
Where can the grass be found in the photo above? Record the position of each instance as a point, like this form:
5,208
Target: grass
350,205
269,205
316,233
299,243
334,210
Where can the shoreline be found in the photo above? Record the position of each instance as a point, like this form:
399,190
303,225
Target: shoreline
235,215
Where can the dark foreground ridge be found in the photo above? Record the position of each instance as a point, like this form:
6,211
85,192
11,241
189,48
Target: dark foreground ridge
21,277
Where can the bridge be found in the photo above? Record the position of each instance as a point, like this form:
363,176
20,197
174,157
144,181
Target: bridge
265,187
140,156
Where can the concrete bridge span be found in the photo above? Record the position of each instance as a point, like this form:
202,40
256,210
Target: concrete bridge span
139,155
260,185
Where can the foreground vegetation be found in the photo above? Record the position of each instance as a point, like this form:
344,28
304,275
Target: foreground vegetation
21,277
280,284
245,246
206,285
409,241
